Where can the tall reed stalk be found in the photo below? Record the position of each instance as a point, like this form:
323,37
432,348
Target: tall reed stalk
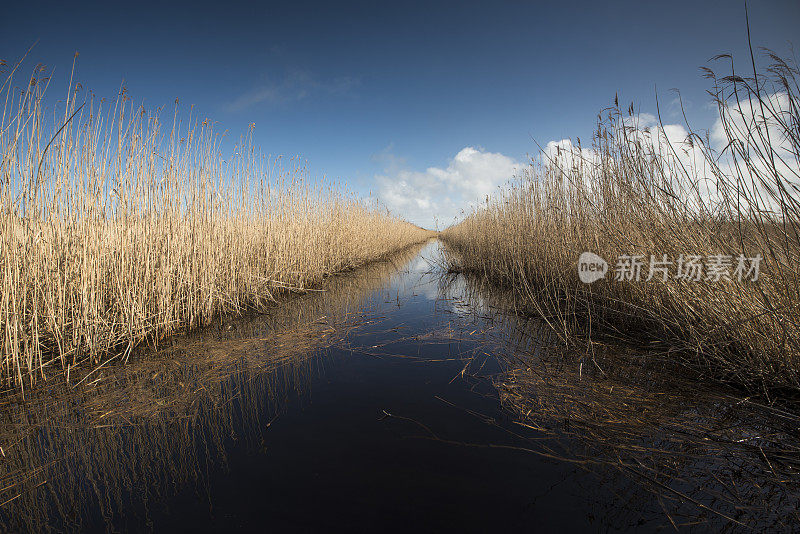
117,227
639,191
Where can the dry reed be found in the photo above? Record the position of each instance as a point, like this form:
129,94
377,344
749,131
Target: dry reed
141,430
638,193
673,451
115,228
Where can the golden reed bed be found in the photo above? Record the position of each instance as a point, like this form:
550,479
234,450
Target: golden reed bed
117,227
637,192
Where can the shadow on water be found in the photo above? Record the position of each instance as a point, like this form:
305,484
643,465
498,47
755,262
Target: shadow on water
396,398
676,451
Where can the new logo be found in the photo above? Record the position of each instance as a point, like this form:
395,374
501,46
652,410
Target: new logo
591,267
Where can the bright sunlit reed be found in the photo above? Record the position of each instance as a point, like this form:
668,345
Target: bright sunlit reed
120,225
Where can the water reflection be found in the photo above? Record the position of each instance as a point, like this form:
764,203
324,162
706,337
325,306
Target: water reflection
84,455
402,395
676,451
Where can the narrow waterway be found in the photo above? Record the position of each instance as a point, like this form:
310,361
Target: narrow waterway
392,400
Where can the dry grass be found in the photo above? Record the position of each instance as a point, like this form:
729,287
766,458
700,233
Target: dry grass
637,193
124,437
673,452
115,229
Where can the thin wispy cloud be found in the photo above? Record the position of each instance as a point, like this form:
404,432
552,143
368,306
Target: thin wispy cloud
295,86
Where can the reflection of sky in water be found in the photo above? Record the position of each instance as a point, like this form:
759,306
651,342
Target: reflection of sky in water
419,279
420,265
422,279
380,349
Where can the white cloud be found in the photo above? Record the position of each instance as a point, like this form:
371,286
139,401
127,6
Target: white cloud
569,157
751,126
443,194
669,142
750,115
687,155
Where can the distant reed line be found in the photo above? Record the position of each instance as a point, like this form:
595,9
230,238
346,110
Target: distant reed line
117,227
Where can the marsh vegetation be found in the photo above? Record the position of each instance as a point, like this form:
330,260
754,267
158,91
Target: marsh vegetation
181,327
694,454
639,192
100,452
117,227
396,388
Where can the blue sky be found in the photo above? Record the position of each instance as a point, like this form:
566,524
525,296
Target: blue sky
426,105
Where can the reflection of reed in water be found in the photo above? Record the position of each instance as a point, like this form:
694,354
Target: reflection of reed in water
705,456
75,456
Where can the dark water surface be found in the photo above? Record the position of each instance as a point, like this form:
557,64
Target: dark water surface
387,402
